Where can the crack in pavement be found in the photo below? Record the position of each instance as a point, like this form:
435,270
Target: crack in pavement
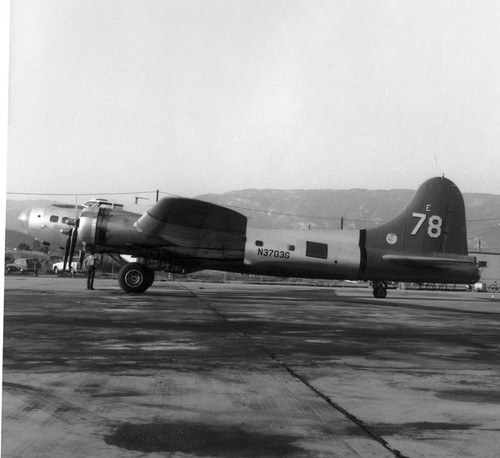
351,417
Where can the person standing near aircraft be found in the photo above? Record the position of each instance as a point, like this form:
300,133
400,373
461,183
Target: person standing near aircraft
90,264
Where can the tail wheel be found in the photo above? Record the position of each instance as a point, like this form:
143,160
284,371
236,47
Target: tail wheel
379,290
135,277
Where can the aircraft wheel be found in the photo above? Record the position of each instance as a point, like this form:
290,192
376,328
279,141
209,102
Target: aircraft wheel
379,290
135,278
150,276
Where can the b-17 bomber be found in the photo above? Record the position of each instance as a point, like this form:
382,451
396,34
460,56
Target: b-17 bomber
426,242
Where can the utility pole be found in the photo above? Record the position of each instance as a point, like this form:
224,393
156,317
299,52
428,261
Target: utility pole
341,223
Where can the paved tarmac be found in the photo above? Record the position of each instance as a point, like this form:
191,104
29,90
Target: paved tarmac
233,370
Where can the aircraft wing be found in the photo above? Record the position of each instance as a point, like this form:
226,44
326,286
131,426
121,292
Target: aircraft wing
191,224
434,262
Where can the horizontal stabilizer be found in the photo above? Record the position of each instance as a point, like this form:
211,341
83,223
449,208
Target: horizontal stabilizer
427,261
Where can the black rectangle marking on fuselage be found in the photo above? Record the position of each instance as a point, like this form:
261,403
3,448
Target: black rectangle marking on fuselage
317,250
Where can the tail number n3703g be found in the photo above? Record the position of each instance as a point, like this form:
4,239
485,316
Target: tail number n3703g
273,253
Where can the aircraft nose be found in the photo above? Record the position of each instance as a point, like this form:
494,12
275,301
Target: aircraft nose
24,219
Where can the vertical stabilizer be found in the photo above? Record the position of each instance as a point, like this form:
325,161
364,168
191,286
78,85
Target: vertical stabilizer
426,242
432,223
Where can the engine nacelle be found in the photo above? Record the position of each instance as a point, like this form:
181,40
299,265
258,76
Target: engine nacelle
112,228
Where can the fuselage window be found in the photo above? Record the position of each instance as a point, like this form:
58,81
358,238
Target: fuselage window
317,250
259,243
64,220
482,264
54,219
291,248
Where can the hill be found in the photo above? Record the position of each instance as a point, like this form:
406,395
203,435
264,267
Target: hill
327,208
358,208
13,239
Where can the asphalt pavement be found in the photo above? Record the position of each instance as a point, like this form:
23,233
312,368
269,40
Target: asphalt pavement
236,370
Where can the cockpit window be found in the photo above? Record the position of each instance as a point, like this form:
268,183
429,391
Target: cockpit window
102,203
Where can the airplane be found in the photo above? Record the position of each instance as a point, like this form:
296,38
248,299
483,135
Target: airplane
426,242
52,223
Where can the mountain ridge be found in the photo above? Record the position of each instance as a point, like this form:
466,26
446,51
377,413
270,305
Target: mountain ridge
328,209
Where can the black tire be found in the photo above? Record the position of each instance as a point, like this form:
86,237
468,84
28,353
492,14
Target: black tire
492,288
379,292
135,278
150,276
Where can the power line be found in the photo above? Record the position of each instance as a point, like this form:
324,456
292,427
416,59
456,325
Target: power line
268,212
486,219
78,193
271,212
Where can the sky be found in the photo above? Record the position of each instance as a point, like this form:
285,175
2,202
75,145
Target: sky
195,97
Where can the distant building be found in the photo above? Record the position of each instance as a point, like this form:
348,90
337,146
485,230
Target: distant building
489,266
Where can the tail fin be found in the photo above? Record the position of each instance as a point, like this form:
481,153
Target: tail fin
433,223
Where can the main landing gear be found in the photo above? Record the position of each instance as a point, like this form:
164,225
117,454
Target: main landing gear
135,277
379,289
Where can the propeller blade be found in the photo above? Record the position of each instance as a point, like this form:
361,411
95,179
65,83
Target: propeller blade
80,259
73,239
67,250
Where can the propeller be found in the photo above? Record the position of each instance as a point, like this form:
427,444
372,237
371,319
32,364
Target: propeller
69,250
73,239
72,233
67,247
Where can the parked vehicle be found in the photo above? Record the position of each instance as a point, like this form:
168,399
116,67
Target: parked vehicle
73,267
23,265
